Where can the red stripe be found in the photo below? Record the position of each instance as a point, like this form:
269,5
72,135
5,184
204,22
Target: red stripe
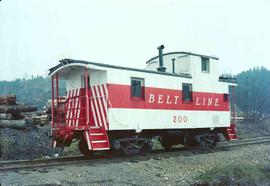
72,108
69,106
105,90
76,99
103,105
101,124
95,104
120,97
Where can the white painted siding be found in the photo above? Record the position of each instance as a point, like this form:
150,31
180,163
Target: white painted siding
120,119
73,78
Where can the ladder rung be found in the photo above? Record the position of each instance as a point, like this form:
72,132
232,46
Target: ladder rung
100,141
101,148
97,134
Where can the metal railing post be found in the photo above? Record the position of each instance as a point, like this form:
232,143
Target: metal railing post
87,97
52,104
57,102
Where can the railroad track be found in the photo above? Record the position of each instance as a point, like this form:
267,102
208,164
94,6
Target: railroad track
108,158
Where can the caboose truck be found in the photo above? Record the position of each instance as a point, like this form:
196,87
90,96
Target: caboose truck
179,97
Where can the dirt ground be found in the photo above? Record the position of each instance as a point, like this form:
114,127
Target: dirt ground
32,143
187,168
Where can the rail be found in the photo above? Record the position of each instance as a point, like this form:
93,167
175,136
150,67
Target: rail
110,157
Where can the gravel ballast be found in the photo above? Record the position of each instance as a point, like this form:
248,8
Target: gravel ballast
184,169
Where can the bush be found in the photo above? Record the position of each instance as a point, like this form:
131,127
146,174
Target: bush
236,175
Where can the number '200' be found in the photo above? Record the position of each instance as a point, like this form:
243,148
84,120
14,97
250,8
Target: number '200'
180,119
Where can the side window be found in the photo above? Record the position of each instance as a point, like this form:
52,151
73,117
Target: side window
226,97
83,81
205,64
137,88
187,93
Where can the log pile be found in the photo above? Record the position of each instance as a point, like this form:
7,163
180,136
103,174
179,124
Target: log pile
8,100
19,116
40,119
12,114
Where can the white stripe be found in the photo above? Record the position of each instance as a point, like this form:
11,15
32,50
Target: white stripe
100,141
87,109
102,148
54,144
78,114
76,108
107,101
93,111
97,134
94,127
69,105
100,106
88,139
96,106
104,100
67,114
106,90
105,104
71,111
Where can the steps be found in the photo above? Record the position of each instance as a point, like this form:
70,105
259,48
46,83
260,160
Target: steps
231,132
97,139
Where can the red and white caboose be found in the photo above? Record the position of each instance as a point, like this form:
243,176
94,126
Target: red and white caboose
179,97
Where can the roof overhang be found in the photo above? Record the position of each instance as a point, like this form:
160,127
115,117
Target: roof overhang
187,53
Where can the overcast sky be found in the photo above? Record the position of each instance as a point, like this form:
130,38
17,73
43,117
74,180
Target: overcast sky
34,34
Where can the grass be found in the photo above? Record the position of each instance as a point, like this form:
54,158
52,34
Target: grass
236,175
72,149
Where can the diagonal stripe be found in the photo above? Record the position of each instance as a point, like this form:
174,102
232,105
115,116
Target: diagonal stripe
71,109
96,107
103,105
103,124
88,139
76,99
69,106
105,90
78,113
93,111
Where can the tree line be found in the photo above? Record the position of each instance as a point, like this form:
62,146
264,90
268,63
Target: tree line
253,93
32,91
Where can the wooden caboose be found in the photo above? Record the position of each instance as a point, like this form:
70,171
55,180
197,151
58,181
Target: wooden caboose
179,97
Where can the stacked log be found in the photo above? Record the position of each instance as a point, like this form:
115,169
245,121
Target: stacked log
15,109
12,114
8,100
41,120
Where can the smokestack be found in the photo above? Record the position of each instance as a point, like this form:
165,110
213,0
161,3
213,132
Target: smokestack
173,65
161,68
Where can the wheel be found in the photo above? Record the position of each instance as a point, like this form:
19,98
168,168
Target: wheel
84,148
165,143
189,141
146,148
131,147
207,142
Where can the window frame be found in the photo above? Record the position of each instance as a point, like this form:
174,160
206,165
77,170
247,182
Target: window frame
207,64
226,97
190,91
137,98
